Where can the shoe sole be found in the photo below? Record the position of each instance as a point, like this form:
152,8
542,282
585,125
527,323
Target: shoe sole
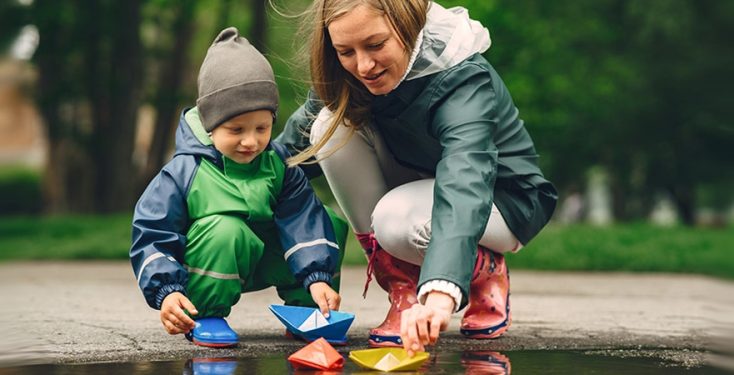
385,341
488,333
214,344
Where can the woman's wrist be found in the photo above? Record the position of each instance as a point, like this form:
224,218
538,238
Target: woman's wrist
440,300
443,286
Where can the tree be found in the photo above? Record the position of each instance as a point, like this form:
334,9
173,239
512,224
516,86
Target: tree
640,88
169,54
89,77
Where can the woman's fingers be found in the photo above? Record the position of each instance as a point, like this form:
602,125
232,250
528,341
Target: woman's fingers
435,328
410,330
422,322
419,326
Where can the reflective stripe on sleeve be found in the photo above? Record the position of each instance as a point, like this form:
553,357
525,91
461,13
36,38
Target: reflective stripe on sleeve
322,241
146,262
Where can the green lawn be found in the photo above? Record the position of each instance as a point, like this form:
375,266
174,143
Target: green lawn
628,247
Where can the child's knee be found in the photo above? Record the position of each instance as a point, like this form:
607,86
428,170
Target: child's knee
224,232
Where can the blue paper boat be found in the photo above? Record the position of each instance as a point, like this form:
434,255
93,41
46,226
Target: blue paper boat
308,323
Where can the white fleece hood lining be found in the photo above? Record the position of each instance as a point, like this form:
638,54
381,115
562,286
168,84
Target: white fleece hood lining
448,38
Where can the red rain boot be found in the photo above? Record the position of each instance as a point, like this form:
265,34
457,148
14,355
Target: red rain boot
399,279
488,315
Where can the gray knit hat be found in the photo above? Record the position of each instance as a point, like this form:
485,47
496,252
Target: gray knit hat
234,78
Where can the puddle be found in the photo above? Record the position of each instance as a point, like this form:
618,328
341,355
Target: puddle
477,362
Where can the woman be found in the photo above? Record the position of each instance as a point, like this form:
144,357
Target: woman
423,148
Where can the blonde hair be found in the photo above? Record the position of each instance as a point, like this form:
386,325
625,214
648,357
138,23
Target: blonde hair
341,93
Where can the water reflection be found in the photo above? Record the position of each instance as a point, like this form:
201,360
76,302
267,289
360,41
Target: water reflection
210,366
485,362
441,362
468,362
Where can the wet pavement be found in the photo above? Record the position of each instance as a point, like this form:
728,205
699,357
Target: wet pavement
80,312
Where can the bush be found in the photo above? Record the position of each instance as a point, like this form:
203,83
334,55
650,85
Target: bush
20,191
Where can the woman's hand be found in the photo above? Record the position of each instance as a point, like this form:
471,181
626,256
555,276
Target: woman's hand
325,297
421,324
173,317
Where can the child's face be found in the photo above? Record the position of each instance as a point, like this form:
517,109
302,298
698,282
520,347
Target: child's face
242,138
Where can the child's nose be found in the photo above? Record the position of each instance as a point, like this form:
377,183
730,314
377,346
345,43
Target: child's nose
248,141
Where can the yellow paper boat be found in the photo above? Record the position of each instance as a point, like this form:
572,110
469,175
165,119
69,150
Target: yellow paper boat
388,359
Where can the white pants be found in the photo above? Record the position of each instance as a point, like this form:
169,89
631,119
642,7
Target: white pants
378,194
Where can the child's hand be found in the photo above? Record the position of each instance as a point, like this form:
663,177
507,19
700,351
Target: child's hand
420,324
173,317
325,297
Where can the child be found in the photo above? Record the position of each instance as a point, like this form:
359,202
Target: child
226,215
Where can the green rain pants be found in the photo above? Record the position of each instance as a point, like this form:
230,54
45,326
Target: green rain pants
227,256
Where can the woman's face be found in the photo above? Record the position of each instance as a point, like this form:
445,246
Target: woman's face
369,49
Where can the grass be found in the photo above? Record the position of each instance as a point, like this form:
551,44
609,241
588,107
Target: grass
65,237
635,247
631,247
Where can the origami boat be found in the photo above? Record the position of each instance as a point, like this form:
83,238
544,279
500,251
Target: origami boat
388,359
309,324
317,355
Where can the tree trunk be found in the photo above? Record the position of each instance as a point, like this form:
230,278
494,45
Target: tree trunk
685,200
115,110
258,31
167,98
67,183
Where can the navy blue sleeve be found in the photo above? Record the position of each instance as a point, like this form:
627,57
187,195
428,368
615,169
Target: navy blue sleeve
305,229
159,230
295,135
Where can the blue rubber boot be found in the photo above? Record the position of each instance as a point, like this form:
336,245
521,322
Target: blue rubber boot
213,332
210,366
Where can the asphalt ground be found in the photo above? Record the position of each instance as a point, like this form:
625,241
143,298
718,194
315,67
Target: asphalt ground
80,312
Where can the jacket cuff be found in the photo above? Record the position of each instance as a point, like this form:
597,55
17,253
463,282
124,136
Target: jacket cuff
165,290
442,286
316,277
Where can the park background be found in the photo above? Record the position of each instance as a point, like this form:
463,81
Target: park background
629,104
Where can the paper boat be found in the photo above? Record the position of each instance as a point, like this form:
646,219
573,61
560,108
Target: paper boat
309,324
317,355
388,359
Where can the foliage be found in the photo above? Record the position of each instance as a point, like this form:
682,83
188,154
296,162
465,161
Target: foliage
640,88
12,17
20,191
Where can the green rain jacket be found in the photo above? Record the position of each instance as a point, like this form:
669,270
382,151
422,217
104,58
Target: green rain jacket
457,122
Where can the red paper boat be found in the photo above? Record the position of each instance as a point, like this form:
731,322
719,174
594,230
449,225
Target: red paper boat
319,355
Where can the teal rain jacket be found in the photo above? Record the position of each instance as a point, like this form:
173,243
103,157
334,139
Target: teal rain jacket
453,118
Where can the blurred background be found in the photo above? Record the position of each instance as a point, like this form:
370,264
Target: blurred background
629,104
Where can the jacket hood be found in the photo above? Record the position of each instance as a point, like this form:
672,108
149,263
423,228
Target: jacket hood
192,139
448,38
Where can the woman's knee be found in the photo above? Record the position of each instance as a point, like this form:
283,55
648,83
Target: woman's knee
401,226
